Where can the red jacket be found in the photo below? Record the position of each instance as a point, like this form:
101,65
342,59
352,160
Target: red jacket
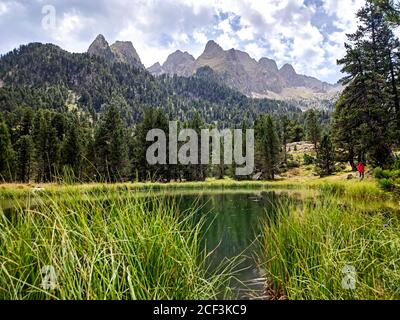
361,168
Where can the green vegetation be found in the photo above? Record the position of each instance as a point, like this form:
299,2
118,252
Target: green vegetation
306,248
120,247
367,115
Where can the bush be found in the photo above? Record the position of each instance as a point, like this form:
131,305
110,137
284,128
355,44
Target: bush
308,159
386,184
293,164
379,173
386,174
396,165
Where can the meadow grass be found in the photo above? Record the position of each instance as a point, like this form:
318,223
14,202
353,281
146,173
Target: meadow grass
126,247
305,249
121,241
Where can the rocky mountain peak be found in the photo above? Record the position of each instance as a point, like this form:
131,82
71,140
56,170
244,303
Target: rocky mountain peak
268,64
100,41
100,47
240,71
212,49
288,70
180,63
125,52
120,51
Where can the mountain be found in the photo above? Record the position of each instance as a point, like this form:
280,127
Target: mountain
100,47
45,76
156,69
125,52
120,51
239,71
180,63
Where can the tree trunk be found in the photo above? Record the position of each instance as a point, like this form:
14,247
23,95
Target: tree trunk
351,160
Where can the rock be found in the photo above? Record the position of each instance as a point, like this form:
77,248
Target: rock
100,48
350,177
124,52
257,176
120,51
241,72
156,69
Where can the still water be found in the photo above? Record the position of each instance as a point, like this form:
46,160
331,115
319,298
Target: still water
232,228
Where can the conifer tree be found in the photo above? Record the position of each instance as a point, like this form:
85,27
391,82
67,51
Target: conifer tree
312,128
24,158
368,103
111,147
268,146
326,157
6,153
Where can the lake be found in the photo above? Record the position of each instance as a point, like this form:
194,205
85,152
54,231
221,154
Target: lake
232,226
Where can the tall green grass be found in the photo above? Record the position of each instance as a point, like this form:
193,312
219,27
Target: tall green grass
126,247
306,248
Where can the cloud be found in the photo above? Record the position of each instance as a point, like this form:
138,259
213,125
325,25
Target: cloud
306,33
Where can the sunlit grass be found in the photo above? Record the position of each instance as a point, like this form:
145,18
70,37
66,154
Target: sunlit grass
306,248
126,247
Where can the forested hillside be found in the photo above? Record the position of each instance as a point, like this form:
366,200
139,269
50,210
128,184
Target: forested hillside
82,117
46,76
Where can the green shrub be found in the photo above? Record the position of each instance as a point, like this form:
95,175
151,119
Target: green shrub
293,164
308,159
396,165
378,173
386,184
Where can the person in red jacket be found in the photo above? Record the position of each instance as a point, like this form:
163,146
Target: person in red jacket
361,170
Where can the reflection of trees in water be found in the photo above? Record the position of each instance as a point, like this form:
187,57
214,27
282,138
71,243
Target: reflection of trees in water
233,220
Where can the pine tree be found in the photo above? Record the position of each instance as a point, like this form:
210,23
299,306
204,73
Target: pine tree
345,129
268,146
46,135
367,101
312,128
111,147
72,150
153,119
285,125
6,153
326,157
24,155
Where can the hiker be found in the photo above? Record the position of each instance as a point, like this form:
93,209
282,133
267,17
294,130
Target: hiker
361,170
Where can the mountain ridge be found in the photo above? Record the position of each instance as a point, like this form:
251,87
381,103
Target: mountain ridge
120,51
244,73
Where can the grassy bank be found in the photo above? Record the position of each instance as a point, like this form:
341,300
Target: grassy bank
337,184
307,247
124,248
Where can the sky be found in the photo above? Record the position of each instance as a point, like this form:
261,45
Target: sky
309,34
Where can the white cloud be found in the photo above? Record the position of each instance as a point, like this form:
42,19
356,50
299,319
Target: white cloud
227,42
200,37
3,8
254,50
284,30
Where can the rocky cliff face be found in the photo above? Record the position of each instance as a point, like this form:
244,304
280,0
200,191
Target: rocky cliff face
180,63
120,51
241,72
100,47
125,52
156,69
